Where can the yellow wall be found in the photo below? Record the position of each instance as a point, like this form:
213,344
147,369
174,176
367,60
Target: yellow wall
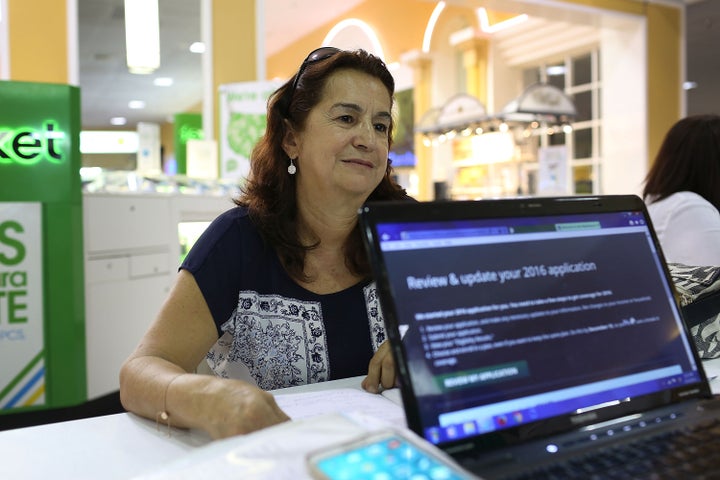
37,33
624,6
400,25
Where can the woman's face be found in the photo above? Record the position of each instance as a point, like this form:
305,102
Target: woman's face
343,150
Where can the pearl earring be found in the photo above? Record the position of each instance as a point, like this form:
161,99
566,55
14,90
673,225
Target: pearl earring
291,168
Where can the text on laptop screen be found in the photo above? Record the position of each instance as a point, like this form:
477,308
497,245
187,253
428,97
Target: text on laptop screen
510,321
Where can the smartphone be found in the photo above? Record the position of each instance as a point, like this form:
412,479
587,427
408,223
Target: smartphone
384,455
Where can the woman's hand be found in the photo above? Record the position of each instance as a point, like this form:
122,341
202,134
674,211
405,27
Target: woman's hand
381,370
231,407
151,386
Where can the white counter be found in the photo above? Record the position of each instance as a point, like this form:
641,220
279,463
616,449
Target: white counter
119,446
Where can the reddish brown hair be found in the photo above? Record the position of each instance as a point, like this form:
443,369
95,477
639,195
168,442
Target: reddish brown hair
270,192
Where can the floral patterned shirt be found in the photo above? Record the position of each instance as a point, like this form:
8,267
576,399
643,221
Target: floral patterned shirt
270,329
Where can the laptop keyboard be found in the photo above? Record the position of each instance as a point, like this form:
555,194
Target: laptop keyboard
686,453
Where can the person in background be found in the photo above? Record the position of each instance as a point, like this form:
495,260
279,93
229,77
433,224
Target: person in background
277,292
682,191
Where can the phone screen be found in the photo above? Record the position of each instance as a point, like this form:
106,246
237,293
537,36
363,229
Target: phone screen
388,458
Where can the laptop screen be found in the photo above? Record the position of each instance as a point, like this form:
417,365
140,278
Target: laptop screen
512,320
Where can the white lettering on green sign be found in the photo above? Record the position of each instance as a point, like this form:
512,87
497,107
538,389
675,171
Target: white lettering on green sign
188,132
13,250
13,285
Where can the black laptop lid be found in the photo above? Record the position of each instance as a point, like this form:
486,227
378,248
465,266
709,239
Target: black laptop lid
524,317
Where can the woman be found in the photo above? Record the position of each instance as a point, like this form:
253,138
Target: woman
682,191
278,289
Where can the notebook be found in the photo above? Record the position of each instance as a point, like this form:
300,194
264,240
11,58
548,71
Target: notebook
527,332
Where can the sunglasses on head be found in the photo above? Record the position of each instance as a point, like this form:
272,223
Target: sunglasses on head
315,56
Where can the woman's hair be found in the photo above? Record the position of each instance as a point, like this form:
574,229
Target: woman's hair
688,160
270,192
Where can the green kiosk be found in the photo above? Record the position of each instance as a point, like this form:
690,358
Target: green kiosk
42,318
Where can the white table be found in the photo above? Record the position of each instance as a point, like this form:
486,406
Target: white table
110,447
124,445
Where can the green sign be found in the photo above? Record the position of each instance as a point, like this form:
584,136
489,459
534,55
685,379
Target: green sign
188,126
243,110
42,314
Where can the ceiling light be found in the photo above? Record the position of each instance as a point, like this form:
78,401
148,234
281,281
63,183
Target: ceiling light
118,121
142,36
163,81
136,104
197,47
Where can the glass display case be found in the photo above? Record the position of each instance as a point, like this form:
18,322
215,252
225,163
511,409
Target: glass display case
100,180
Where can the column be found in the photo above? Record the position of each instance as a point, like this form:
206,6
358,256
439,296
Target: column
474,48
421,65
39,33
233,50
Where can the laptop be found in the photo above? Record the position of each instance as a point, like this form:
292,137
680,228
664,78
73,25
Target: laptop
532,335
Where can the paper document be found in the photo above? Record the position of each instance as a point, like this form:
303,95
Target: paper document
343,400
393,394
712,370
